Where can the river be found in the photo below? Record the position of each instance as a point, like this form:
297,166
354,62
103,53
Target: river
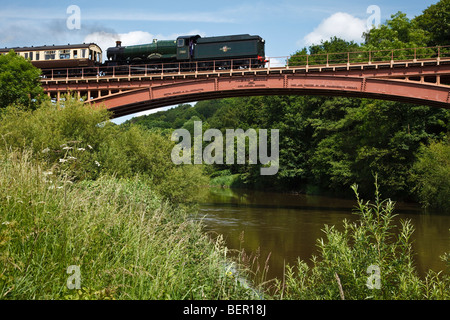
285,227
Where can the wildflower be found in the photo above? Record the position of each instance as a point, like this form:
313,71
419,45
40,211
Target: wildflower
89,146
81,149
47,173
71,158
67,148
97,163
45,150
62,160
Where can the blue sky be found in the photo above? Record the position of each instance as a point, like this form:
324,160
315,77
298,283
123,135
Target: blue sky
287,26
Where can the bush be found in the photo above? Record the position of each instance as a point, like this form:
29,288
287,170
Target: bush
367,260
81,142
432,176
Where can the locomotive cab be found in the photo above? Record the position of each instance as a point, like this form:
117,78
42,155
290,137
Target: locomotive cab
186,47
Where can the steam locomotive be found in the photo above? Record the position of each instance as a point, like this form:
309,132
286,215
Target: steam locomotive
245,50
183,53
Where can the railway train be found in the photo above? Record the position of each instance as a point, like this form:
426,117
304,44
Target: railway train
183,53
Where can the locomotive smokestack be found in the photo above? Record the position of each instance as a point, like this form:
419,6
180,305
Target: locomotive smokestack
118,44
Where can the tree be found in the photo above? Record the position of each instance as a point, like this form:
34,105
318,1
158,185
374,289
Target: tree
397,33
435,20
19,82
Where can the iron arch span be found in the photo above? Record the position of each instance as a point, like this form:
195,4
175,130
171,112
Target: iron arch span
149,95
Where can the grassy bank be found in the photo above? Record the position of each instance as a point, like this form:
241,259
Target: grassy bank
77,190
127,241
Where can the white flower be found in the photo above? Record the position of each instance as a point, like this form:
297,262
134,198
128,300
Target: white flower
47,173
90,147
45,150
97,163
62,160
81,149
67,148
71,158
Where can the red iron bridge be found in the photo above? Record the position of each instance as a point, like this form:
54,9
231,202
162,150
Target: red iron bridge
413,75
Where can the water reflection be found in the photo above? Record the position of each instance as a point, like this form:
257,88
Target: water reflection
287,226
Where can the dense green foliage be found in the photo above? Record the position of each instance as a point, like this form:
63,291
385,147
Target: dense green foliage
19,82
435,20
82,142
432,175
326,143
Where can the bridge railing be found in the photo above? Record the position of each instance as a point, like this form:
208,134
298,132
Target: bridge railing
306,60
154,69
369,57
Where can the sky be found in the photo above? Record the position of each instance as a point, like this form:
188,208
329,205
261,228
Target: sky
286,26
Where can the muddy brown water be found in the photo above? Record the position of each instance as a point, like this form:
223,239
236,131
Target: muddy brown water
287,226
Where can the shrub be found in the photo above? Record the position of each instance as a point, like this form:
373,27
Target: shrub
369,259
80,141
432,176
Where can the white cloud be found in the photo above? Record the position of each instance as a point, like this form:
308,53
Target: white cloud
341,25
277,62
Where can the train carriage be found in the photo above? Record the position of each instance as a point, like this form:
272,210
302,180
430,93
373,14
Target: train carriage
61,56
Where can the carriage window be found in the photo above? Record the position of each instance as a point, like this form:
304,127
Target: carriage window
64,54
83,53
26,55
50,55
31,55
37,56
75,54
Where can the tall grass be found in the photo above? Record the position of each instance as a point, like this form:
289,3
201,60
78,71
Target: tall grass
128,242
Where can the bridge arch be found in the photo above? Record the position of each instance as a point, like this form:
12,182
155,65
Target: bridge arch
150,96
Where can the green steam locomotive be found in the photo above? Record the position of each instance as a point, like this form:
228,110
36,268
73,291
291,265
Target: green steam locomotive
209,52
